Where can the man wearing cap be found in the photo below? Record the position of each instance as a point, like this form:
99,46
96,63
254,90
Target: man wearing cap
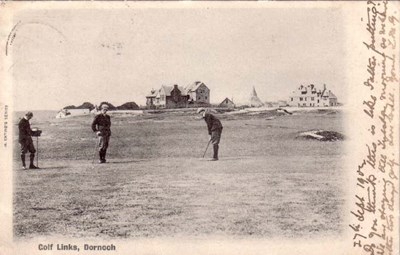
101,125
25,140
214,129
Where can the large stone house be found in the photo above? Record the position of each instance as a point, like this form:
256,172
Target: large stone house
199,93
196,94
309,96
168,97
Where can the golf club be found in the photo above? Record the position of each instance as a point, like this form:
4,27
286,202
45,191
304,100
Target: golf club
36,132
208,144
37,147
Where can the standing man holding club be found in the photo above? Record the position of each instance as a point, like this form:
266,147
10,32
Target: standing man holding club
101,126
25,140
214,129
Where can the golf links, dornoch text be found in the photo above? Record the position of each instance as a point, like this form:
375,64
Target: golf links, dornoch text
74,247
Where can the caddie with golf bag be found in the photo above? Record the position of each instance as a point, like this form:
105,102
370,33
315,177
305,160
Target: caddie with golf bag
101,126
214,129
25,140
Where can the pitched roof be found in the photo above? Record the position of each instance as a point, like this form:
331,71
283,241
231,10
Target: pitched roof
193,86
226,101
331,95
168,88
152,93
311,89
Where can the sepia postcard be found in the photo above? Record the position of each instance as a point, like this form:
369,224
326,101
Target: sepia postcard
186,127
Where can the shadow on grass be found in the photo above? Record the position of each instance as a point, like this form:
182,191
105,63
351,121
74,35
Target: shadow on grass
122,162
224,159
42,168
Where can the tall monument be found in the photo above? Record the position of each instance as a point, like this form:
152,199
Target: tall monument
254,100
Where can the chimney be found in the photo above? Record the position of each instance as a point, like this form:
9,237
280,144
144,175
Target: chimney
175,86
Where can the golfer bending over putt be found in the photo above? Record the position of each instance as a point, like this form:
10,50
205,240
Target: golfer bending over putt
214,129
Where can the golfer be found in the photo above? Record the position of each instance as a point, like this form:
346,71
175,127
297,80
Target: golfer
214,129
101,126
25,140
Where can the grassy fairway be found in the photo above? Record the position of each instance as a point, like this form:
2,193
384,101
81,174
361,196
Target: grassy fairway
266,184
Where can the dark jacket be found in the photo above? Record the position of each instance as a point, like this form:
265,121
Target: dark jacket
102,123
213,123
25,131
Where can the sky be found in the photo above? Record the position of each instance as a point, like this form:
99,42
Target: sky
67,57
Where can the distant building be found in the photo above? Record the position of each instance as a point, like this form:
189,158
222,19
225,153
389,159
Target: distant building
72,112
309,96
150,99
227,103
199,93
270,104
279,103
168,97
282,103
195,94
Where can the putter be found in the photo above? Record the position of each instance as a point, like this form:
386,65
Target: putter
208,144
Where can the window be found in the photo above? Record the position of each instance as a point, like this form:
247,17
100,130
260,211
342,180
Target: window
312,99
291,99
305,99
301,99
206,98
